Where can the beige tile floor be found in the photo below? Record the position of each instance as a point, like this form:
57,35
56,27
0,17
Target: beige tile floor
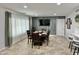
58,45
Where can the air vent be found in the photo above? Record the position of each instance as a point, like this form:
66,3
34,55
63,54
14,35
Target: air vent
77,10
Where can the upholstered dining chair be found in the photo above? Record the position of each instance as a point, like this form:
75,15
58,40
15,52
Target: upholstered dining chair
48,33
29,35
36,40
45,37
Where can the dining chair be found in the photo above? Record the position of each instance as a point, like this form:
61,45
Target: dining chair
45,37
36,40
48,33
29,35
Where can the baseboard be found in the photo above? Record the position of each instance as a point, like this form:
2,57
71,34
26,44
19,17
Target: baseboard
52,35
58,35
19,38
18,41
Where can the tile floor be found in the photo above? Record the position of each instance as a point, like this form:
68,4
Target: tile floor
58,45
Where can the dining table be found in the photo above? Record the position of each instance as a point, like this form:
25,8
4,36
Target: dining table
42,35
40,32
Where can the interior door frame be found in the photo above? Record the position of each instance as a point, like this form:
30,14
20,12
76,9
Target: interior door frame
8,38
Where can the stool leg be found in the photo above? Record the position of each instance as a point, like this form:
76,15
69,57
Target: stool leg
71,46
74,51
77,51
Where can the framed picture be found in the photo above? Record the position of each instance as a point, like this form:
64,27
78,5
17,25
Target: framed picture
44,22
69,22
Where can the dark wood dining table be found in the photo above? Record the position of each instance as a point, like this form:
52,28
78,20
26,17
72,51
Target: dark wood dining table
39,37
42,35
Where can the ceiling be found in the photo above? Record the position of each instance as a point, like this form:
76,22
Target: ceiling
42,9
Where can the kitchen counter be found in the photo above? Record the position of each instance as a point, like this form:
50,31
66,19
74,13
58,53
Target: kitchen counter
76,37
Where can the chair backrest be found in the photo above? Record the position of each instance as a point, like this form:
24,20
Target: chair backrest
28,32
33,29
48,32
35,36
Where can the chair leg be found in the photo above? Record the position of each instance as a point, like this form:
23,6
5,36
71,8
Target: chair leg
28,40
69,44
32,44
47,41
74,50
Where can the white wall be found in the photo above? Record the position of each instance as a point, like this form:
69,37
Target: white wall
74,26
2,28
60,27
20,23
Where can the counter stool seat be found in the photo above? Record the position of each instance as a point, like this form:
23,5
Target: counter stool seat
76,49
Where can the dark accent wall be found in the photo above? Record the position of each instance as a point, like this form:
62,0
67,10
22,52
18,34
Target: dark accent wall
52,27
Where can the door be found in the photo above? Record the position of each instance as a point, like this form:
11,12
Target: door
60,27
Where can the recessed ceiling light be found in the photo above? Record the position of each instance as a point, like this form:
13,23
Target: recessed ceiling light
58,3
25,6
55,14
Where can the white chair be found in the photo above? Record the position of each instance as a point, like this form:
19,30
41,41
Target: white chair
76,45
